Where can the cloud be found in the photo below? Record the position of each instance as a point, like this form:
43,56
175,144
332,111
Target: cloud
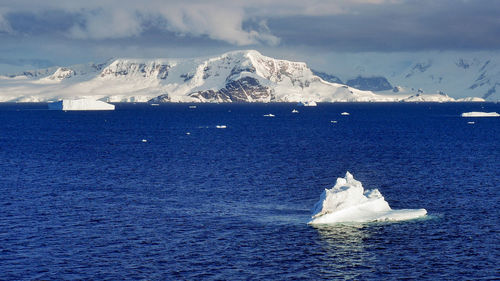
356,25
4,23
219,20
106,24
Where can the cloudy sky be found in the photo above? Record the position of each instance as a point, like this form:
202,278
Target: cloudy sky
63,32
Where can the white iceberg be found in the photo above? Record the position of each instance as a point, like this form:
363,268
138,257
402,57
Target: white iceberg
307,103
80,104
269,115
345,113
480,114
347,201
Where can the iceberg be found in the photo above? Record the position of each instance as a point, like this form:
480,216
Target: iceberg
80,104
480,114
347,201
307,103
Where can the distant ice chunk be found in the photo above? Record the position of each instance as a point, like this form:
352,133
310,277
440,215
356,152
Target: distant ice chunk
80,104
347,201
269,115
220,126
295,111
307,103
345,113
480,114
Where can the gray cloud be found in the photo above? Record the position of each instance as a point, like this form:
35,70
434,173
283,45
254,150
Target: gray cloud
409,26
94,28
219,20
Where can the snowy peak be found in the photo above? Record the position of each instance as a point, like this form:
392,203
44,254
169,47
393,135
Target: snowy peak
136,68
61,74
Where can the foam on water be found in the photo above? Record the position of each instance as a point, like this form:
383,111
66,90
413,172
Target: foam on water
347,201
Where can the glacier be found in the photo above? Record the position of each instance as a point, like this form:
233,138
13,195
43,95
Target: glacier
80,104
347,202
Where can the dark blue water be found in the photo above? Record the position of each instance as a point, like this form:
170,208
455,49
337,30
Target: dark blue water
83,197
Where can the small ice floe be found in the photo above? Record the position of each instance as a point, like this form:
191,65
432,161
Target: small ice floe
144,140
347,201
295,111
192,106
188,133
471,123
480,114
155,104
307,103
333,121
345,113
220,126
268,115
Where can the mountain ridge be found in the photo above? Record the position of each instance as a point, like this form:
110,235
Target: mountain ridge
237,76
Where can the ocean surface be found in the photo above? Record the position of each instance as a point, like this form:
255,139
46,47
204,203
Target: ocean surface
159,193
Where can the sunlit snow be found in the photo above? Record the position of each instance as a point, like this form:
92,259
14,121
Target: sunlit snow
347,201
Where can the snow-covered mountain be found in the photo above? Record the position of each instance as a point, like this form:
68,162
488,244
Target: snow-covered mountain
457,74
240,76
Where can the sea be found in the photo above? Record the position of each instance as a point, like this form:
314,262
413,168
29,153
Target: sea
222,192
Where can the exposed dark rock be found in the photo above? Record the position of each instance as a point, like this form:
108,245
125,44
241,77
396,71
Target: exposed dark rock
462,64
246,89
187,76
327,77
160,99
491,91
370,83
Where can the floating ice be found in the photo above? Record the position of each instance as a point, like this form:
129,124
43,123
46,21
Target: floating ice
220,126
307,103
347,201
333,121
471,123
480,114
192,106
80,104
345,113
268,115
144,140
295,111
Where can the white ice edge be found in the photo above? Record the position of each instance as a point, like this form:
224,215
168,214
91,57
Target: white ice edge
347,202
80,104
480,114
